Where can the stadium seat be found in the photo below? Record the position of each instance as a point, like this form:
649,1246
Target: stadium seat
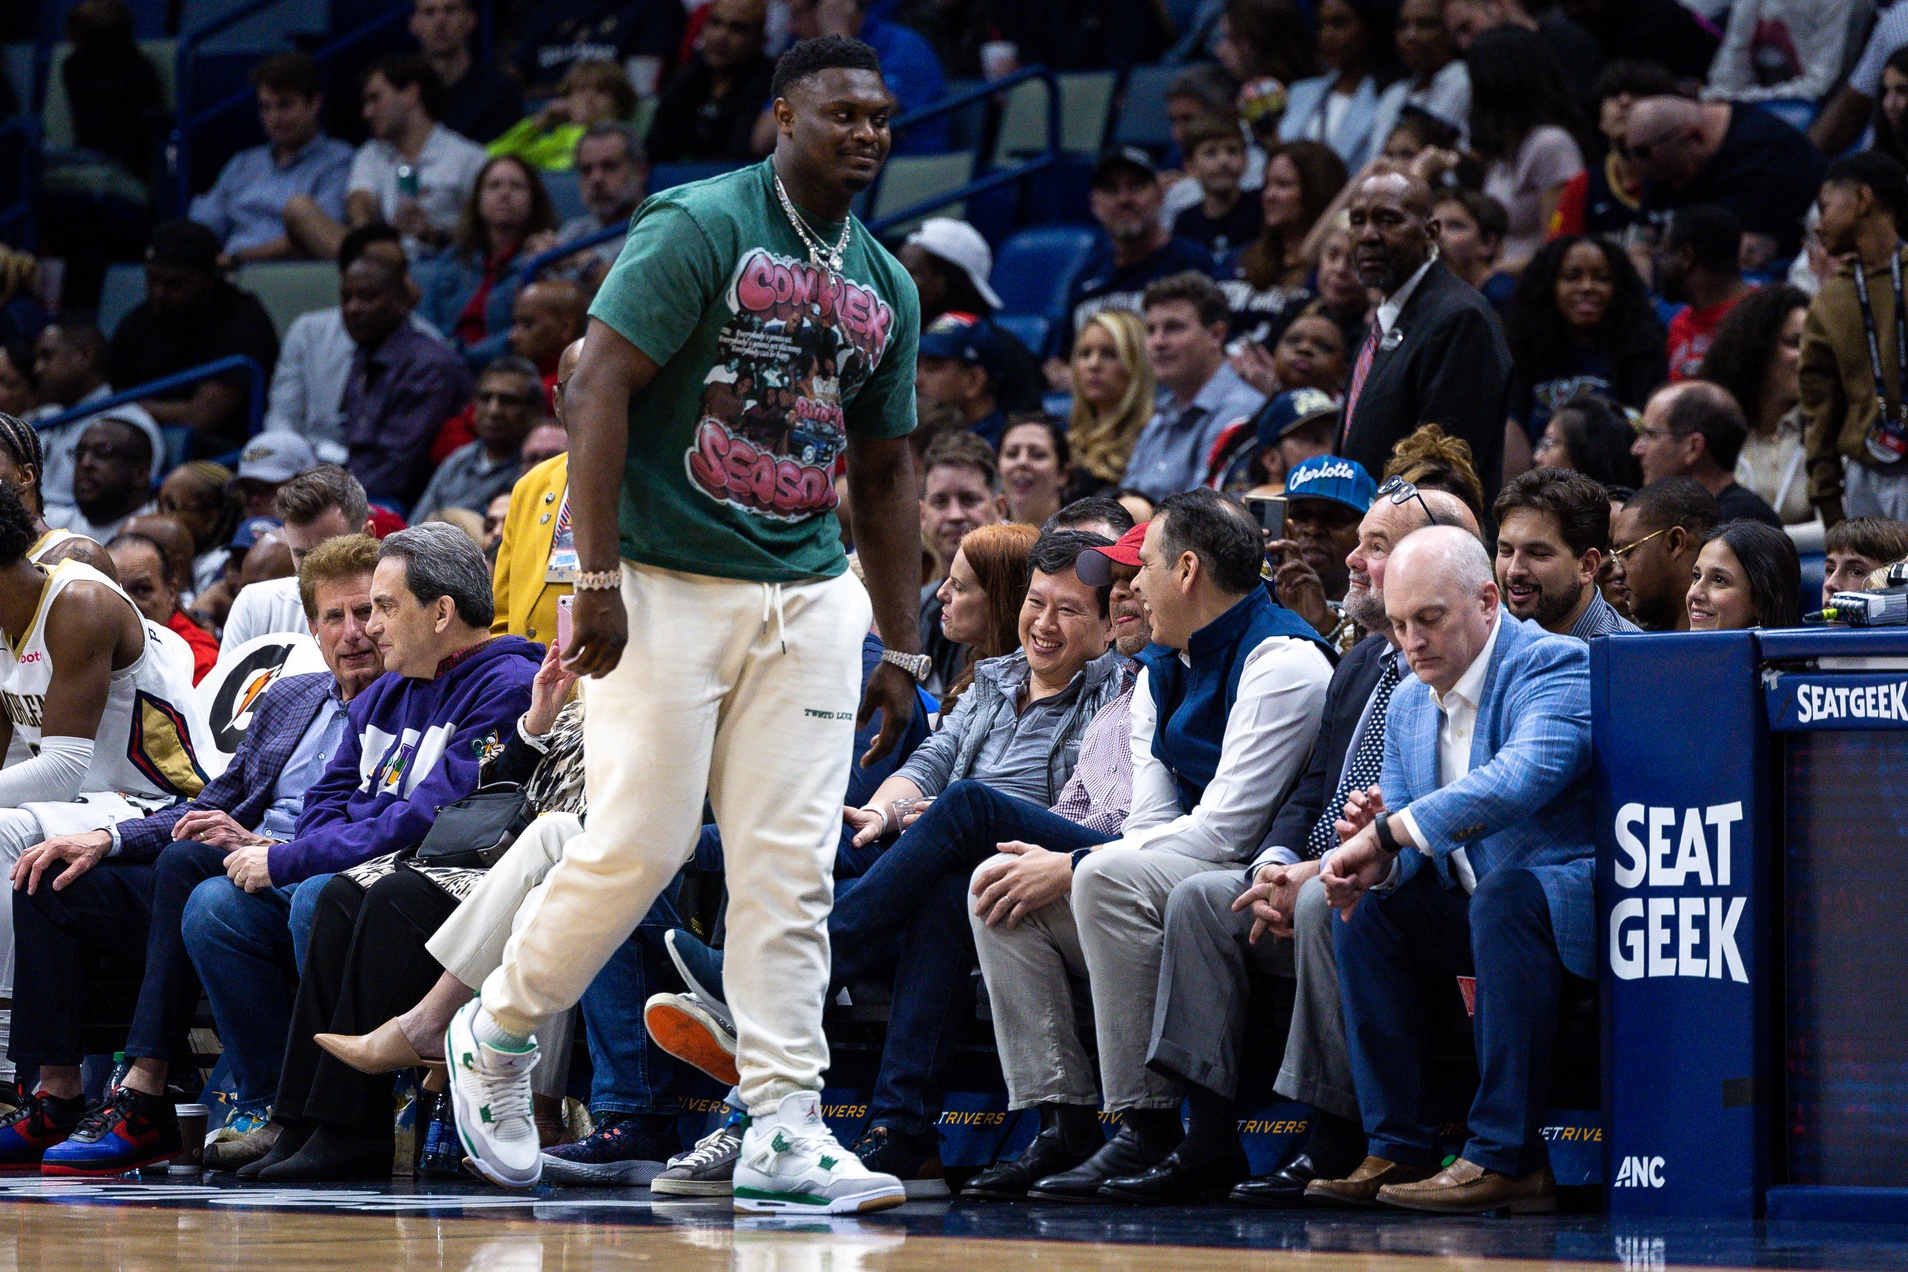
1141,119
124,288
265,31
1034,269
911,179
1085,99
665,176
566,194
290,288
56,116
1031,330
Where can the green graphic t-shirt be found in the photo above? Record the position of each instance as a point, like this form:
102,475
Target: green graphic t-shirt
768,363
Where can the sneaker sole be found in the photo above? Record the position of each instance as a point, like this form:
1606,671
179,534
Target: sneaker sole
630,1174
110,1172
686,1032
758,1201
692,1187
465,1115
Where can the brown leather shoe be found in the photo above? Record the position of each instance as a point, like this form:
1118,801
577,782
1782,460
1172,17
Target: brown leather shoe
1465,1188
1360,1188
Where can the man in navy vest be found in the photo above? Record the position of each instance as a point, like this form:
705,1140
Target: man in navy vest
1224,716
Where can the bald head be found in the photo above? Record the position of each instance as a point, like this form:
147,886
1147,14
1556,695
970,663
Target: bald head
1392,229
1664,138
566,367
548,315
1441,598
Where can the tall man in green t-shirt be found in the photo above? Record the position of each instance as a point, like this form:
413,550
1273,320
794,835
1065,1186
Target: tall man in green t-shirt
750,333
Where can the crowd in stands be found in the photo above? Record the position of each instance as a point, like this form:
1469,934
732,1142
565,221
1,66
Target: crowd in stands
1446,337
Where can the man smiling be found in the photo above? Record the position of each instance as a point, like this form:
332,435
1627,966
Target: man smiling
1553,534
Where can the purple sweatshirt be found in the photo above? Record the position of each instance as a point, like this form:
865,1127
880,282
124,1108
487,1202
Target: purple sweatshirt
414,747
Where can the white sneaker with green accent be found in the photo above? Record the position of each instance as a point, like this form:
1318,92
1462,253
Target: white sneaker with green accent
790,1161
490,1094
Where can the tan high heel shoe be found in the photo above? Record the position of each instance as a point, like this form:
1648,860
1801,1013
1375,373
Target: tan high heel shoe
383,1050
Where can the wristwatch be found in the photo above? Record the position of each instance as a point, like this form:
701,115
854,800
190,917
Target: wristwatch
920,666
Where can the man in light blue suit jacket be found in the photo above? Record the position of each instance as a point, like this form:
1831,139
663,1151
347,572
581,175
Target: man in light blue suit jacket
1479,862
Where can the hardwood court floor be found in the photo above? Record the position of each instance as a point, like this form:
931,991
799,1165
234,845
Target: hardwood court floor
156,1228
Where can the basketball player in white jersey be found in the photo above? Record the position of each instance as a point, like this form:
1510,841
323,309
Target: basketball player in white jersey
111,724
22,462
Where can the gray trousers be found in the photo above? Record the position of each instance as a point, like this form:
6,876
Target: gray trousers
1199,1024
1110,930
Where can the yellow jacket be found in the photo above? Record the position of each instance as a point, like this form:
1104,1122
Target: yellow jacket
526,604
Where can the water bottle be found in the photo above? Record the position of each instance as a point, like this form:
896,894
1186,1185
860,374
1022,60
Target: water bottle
407,181
442,1155
120,1068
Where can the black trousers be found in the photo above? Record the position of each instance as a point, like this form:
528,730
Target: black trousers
365,964
130,909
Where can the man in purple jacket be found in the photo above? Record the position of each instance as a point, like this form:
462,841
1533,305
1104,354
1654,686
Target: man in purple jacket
404,746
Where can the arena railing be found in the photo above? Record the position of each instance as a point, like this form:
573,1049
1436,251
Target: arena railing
995,177
176,434
529,269
179,146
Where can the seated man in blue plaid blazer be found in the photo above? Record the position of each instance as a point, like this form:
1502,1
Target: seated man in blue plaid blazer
113,890
1478,862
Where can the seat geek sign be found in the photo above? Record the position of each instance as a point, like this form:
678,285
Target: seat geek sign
1685,908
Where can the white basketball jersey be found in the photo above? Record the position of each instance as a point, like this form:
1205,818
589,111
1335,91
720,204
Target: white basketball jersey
152,730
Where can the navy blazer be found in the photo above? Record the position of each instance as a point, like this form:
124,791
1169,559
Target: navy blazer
1345,699
245,790
1528,801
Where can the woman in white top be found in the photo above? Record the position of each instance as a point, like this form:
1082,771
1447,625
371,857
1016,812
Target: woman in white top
1436,80
1523,126
1340,107
1755,355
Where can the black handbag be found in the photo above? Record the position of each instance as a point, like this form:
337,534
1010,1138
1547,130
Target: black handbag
478,829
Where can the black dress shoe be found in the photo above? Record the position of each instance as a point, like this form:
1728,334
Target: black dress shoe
332,1156
1048,1154
1283,1189
1179,1181
1117,1158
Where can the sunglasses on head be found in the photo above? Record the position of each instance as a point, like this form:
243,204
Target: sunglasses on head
1400,491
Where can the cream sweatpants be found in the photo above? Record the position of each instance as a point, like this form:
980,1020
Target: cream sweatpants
745,692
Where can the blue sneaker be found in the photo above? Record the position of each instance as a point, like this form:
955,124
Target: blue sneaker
622,1150
38,1124
130,1130
699,966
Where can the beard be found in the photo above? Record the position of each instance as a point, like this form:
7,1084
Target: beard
1553,607
1366,608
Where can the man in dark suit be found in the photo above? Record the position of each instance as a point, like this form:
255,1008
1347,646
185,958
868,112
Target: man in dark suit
112,890
1434,353
1218,925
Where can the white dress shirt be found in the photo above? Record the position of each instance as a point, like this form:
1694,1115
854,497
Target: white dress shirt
1393,305
1267,742
1455,733
264,608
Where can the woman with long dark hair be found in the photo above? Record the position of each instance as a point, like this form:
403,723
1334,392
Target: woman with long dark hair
1747,575
1340,107
1267,278
1258,39
1757,355
467,291
1581,320
1891,129
1592,435
1525,127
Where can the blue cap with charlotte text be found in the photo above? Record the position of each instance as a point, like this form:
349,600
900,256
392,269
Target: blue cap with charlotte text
1332,477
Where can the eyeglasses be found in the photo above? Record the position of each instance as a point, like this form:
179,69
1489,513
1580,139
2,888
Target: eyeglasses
1617,554
1399,491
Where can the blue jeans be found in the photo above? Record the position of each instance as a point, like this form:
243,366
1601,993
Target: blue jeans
1399,945
629,1073
247,948
916,893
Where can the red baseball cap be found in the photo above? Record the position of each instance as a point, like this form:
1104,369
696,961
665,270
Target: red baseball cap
1093,565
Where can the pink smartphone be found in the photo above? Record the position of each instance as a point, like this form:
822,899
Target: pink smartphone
563,621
